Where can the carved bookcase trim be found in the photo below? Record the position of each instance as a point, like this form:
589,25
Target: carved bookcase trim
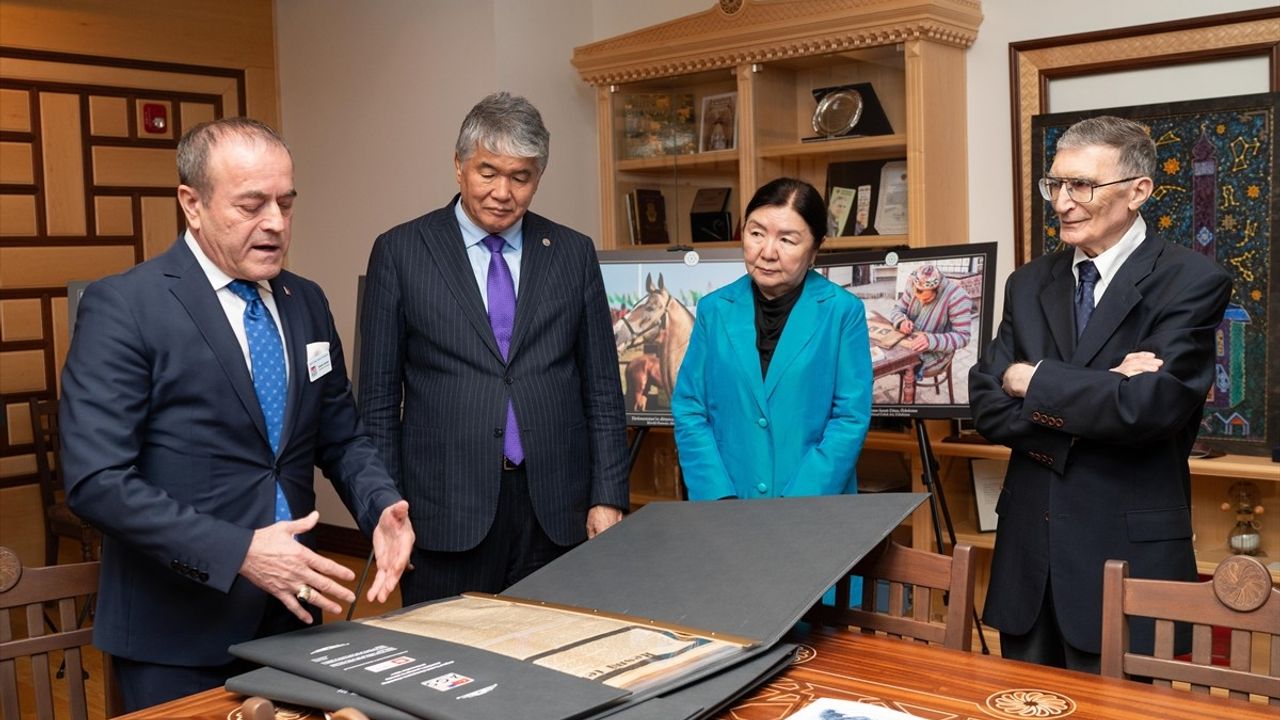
769,30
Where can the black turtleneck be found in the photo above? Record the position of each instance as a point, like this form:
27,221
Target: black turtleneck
771,318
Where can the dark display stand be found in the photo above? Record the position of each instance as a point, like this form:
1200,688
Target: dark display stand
938,507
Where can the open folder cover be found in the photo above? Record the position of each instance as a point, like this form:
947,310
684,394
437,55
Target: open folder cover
717,584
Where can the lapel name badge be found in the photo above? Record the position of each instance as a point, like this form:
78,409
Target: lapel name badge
318,362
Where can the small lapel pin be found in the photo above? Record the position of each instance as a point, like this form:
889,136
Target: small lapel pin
286,290
546,242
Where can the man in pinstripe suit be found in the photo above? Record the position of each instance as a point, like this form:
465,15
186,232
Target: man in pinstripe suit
503,426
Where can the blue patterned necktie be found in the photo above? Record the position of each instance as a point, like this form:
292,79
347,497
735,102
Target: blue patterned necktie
266,355
502,316
1084,294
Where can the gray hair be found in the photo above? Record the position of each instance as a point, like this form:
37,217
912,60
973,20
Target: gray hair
1137,150
505,124
195,146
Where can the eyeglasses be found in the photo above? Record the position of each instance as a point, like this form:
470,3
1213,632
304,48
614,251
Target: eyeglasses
1078,189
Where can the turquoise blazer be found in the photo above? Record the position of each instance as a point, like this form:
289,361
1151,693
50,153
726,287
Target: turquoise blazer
796,432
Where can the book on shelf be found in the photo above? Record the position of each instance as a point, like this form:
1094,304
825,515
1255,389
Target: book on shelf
650,211
655,124
867,197
632,232
709,218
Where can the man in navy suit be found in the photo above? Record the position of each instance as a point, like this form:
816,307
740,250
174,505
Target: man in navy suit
501,421
192,447
1096,381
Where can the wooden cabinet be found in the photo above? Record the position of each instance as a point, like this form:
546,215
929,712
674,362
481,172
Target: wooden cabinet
772,55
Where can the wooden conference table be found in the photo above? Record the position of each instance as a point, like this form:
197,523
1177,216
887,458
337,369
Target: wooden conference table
928,682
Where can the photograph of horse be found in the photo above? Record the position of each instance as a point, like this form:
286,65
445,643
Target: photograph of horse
653,306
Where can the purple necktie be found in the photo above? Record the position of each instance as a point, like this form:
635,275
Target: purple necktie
502,316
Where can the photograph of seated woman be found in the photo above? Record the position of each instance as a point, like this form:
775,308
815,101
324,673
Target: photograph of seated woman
774,396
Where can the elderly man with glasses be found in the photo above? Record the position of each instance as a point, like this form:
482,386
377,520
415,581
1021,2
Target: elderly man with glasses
1096,380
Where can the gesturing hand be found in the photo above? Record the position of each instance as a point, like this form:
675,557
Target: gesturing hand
392,543
281,565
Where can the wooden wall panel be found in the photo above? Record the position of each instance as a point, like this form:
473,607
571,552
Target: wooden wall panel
23,371
15,110
63,163
15,163
113,215
159,224
18,417
137,167
74,76
21,320
193,114
17,215
54,267
226,87
63,221
108,116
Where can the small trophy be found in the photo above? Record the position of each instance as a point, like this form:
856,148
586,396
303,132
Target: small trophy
1245,538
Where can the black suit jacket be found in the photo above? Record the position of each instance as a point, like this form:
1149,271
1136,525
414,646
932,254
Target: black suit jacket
1099,462
427,344
164,448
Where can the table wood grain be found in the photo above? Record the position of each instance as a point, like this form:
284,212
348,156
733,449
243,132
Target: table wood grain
921,680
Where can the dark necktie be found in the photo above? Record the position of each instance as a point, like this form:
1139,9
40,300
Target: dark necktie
266,355
502,316
1084,294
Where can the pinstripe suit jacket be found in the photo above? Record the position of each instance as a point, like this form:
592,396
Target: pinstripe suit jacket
427,344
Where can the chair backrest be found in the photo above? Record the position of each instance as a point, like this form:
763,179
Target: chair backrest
44,438
919,576
1240,597
30,589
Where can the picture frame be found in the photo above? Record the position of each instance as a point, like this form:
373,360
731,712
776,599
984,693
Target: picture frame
653,299
940,389
1033,64
657,124
718,129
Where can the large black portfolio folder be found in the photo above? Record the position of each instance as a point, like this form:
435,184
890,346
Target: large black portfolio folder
745,569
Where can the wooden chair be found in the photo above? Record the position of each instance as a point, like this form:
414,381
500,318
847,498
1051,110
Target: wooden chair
935,379
30,589
1239,597
59,521
924,575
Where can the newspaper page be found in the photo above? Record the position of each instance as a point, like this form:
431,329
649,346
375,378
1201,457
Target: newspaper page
622,654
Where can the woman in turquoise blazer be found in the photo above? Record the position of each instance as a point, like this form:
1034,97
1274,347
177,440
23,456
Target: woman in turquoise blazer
773,398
